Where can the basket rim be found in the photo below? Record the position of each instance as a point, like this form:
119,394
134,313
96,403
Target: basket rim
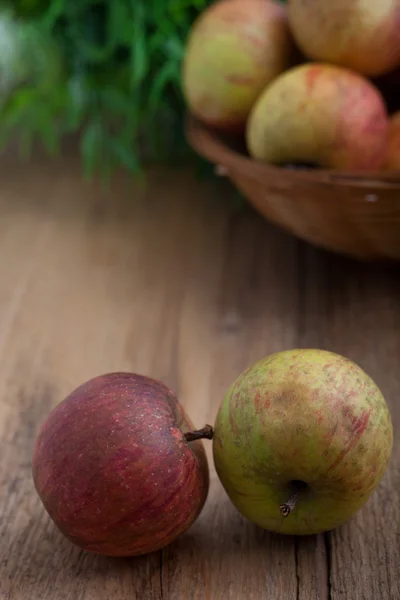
208,142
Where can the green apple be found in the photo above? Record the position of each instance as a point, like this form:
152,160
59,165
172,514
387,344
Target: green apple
301,440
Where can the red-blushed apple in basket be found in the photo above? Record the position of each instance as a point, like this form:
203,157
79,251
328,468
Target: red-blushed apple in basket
118,466
321,114
363,35
301,440
234,49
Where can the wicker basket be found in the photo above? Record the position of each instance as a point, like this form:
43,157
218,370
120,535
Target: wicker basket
353,214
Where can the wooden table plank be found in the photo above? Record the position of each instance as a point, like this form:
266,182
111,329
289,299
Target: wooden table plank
225,557
169,280
353,309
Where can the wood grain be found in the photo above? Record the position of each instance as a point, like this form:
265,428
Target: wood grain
170,280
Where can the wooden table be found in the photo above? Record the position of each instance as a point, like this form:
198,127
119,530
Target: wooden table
170,280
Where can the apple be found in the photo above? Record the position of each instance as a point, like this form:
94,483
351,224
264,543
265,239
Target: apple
361,35
321,114
301,440
118,466
392,162
234,48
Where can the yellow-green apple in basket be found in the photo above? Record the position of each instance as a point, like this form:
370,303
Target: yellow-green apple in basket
234,49
301,441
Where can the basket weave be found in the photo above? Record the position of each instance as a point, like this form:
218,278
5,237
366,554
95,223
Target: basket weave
349,213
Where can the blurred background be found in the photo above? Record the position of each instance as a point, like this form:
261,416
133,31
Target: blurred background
106,71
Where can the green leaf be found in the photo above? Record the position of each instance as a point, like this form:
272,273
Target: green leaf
53,13
120,23
76,105
167,74
18,105
124,154
48,134
91,150
174,47
115,64
116,100
139,57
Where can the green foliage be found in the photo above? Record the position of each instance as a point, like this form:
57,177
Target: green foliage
109,70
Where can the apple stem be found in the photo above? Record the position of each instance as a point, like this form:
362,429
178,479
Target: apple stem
288,506
206,432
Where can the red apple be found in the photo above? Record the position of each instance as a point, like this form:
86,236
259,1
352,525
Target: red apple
118,467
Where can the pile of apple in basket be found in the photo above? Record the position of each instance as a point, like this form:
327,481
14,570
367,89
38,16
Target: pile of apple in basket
304,82
301,440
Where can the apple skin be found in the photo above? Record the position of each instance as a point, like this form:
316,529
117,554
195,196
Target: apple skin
234,48
363,35
392,162
320,114
302,415
113,469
